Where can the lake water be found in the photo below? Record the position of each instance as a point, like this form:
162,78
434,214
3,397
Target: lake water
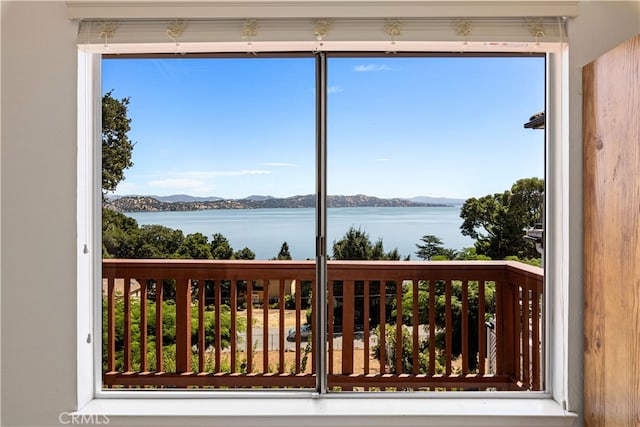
264,230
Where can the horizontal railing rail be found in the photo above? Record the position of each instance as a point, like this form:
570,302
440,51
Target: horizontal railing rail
393,325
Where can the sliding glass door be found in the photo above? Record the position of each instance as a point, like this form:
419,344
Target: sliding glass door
417,148
216,214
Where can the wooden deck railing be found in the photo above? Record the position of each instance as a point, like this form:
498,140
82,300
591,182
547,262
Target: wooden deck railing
397,325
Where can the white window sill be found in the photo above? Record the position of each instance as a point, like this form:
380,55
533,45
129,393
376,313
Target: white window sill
331,412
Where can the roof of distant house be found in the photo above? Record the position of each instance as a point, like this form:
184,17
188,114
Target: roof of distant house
536,121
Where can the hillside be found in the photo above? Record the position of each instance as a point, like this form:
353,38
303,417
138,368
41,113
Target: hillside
152,204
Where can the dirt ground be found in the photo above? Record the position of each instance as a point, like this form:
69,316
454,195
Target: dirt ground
290,356
257,317
290,361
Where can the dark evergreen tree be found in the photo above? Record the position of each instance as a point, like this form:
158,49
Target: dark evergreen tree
284,253
432,247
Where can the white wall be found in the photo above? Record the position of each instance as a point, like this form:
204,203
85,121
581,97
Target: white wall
0,205
38,210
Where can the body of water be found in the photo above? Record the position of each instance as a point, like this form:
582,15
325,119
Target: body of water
264,230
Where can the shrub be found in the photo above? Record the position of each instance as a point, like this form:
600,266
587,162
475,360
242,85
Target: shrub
407,351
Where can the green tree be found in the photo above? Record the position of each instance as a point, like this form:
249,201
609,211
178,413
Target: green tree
536,262
195,246
244,253
406,357
446,255
306,291
470,254
168,331
456,313
220,247
432,249
284,253
119,235
157,241
122,238
116,146
356,245
394,255
498,221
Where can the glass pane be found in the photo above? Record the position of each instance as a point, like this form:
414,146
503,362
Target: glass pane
223,172
428,160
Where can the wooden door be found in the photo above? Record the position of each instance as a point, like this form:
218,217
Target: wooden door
611,144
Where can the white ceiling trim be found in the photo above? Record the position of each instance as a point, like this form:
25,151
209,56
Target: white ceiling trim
238,9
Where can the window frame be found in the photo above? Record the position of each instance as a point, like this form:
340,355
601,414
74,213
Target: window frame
543,407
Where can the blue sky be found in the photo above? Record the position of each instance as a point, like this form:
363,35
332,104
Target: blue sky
397,127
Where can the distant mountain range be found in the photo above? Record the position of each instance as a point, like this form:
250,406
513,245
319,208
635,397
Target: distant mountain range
438,200
187,198
183,202
184,198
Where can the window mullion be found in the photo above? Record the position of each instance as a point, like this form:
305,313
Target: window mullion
320,306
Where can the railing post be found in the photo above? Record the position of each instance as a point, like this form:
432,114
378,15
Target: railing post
111,324
202,326
127,324
183,325
143,325
348,304
217,345
526,334
234,317
249,343
399,338
383,325
505,325
432,327
465,327
537,382
448,328
482,336
159,332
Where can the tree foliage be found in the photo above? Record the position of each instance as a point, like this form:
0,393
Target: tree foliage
284,253
220,247
244,253
116,147
470,254
432,249
156,241
498,221
168,331
195,246
356,245
119,235
406,357
456,312
123,238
